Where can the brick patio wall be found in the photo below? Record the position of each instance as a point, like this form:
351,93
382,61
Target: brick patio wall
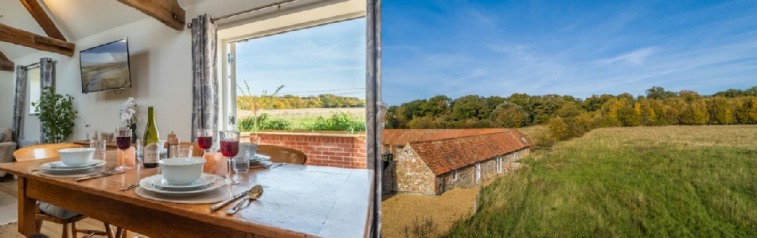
324,149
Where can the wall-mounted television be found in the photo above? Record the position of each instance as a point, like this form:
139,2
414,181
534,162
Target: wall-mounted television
105,67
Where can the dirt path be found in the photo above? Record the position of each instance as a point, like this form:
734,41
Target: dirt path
400,213
408,210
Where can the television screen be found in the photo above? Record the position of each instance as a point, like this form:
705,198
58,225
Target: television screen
105,67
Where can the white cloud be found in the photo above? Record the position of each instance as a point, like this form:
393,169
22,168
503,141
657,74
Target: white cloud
635,57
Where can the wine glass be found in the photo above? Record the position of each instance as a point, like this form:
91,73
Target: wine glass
204,139
123,142
229,149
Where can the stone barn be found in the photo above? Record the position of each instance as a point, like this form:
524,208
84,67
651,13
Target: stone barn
435,160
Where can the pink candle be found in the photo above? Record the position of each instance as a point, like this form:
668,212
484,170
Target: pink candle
213,160
221,165
126,158
120,157
131,157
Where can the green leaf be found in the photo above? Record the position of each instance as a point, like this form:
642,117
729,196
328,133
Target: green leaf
56,115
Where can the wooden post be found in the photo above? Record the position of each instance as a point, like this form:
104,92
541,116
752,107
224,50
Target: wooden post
5,63
166,11
28,39
43,19
27,209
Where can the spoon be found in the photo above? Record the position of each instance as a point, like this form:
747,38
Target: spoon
254,193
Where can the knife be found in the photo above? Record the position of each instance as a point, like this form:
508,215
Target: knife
239,205
100,175
220,204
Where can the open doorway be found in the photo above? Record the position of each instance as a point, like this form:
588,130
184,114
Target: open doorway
300,83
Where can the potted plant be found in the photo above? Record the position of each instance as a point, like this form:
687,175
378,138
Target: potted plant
56,115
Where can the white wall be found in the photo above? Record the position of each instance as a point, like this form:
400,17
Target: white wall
7,91
161,77
160,69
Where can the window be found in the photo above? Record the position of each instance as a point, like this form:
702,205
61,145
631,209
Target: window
499,164
287,81
33,85
298,80
454,175
478,172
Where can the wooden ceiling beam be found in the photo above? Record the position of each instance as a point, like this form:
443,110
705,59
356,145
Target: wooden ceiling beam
5,63
28,39
166,11
43,19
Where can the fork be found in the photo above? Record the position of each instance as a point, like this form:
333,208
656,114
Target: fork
128,187
277,165
111,171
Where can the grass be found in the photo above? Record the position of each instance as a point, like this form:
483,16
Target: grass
300,119
628,182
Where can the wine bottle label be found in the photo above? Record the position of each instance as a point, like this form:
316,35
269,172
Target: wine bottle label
151,153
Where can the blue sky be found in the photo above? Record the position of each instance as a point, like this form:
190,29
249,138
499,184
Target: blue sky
576,48
116,51
312,61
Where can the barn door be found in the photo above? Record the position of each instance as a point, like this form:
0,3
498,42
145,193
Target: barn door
478,173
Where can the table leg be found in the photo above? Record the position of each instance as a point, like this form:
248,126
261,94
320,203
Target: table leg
27,209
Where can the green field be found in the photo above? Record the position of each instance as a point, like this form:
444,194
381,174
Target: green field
678,181
301,119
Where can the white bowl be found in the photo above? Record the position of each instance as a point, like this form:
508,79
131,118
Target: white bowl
182,170
76,156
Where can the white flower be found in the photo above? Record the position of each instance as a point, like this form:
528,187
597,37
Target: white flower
128,112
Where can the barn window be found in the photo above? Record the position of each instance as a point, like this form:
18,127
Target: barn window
454,175
499,164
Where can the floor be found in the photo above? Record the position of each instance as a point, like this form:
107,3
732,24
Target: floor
48,228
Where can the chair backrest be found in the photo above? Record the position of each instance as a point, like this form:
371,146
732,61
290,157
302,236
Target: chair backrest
283,154
43,151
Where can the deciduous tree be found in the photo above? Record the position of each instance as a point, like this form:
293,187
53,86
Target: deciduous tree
509,115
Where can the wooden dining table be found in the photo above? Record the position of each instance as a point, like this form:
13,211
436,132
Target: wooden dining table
298,201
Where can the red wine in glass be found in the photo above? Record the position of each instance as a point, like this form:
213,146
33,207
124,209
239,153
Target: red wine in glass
229,148
205,142
123,142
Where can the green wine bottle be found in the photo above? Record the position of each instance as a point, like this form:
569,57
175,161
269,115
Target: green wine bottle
152,146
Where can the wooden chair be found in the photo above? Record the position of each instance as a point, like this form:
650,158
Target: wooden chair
281,154
47,151
44,151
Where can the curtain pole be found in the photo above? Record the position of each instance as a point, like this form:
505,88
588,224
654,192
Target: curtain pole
189,25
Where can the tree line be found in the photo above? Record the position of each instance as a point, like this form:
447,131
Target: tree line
568,116
293,102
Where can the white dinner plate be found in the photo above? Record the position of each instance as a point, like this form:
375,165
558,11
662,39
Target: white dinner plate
145,184
161,183
259,157
60,165
204,198
56,168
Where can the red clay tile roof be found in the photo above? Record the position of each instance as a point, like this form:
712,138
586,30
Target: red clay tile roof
400,137
448,154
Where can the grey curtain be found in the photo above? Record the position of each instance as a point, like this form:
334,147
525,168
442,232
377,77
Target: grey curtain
204,81
46,70
374,118
19,102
